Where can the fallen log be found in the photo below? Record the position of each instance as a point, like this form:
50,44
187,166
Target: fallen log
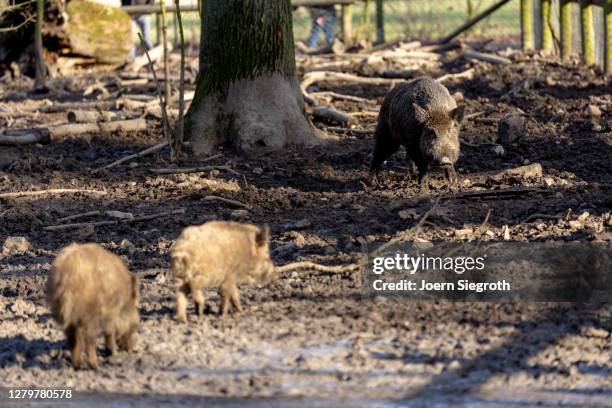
131,125
493,59
83,105
331,114
84,116
24,136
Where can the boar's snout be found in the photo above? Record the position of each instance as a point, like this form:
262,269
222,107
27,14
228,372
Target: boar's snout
445,161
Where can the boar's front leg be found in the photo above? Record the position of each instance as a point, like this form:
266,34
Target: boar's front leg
181,302
92,356
76,341
451,176
198,298
235,298
228,292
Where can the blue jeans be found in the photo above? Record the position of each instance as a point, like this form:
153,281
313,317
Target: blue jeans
327,26
142,23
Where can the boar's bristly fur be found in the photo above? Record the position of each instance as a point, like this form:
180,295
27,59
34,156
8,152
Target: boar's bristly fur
90,292
219,254
423,117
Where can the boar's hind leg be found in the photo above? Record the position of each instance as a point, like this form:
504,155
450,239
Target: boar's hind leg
181,303
225,294
235,298
111,343
384,147
76,340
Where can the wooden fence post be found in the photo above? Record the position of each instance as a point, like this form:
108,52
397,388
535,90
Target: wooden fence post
527,25
347,24
608,36
588,32
566,28
380,22
547,35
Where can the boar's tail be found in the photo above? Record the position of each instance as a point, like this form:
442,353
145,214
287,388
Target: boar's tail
63,310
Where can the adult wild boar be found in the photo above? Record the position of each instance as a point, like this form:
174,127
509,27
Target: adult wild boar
423,117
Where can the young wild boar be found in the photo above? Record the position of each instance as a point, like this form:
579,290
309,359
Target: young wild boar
219,254
423,117
90,292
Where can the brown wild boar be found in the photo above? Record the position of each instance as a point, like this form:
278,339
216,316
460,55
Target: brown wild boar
423,117
219,254
90,292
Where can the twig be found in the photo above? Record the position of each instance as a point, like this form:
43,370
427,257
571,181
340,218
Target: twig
51,191
178,139
166,124
187,170
162,5
404,234
473,115
82,215
465,74
226,201
349,130
536,216
313,77
114,222
481,228
502,193
145,152
334,95
317,267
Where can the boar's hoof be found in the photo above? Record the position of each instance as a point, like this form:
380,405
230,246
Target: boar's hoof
373,179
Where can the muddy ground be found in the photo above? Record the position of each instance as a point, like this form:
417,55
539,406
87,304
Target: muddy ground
311,338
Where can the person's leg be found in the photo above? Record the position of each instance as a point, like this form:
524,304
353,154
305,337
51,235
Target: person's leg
329,28
144,22
134,31
146,30
313,40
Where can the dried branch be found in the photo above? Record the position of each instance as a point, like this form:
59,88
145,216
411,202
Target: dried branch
166,124
143,153
51,191
317,267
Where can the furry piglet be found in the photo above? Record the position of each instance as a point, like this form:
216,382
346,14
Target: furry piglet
219,254
423,117
90,292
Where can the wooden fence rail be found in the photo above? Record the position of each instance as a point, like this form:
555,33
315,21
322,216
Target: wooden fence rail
588,39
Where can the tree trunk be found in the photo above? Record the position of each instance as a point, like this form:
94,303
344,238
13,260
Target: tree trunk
247,92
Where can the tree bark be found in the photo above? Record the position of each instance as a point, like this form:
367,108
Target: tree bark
247,92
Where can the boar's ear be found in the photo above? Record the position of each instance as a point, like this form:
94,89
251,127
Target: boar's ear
135,289
262,238
458,114
420,114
